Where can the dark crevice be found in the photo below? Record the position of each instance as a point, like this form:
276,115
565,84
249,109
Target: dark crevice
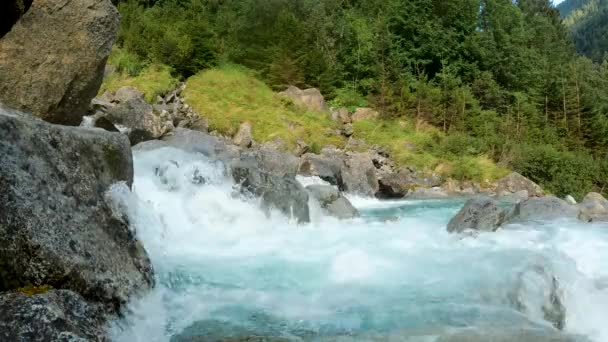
10,12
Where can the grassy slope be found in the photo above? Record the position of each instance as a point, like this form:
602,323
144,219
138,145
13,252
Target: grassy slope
230,95
152,80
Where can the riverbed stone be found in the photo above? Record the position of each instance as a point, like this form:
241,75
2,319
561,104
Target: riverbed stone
543,208
482,214
281,192
330,199
515,182
56,226
57,315
326,167
52,60
593,208
359,174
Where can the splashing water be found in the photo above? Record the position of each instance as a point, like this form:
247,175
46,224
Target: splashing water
226,266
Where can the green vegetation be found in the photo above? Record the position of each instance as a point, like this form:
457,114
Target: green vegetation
587,21
230,95
470,84
152,79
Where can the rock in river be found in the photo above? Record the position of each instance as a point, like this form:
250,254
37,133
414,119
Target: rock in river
56,227
481,213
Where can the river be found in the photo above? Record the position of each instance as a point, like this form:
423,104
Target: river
224,268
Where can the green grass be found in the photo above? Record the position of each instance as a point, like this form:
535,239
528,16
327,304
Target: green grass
230,95
428,149
152,80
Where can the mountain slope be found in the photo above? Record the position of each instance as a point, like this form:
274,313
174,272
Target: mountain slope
587,21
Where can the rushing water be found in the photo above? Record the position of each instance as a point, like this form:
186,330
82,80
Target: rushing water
228,268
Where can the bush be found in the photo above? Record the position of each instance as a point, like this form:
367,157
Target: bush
152,81
349,98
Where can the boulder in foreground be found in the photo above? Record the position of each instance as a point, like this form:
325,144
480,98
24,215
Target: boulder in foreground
53,58
482,214
333,201
56,227
53,316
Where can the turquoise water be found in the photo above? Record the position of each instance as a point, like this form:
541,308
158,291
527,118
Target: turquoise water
224,268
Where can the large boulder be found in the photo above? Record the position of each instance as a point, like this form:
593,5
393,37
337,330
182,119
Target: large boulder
52,60
216,148
309,99
52,316
281,192
127,110
273,161
326,167
543,208
330,199
514,183
482,214
593,208
56,226
359,174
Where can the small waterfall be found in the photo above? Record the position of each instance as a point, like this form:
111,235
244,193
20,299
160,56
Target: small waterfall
225,267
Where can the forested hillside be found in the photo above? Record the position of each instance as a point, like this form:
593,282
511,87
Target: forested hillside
587,21
501,78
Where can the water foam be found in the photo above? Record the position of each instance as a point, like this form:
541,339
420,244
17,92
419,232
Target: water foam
217,256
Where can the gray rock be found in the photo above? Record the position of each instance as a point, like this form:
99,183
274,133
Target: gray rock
348,130
310,99
213,147
52,59
538,293
273,161
332,201
359,174
481,214
395,185
128,109
341,115
56,227
325,194
281,192
53,316
326,167
515,182
243,137
543,208
593,208
427,193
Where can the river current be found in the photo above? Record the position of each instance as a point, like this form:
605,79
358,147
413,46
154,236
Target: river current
224,268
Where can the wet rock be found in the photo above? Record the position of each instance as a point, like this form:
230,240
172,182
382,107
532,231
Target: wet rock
272,161
281,192
515,182
364,114
593,208
510,335
326,167
127,109
542,208
482,214
53,316
359,174
52,59
243,137
332,201
538,294
394,185
216,148
310,99
56,227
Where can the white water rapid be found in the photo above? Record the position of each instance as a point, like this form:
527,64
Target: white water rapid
228,268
